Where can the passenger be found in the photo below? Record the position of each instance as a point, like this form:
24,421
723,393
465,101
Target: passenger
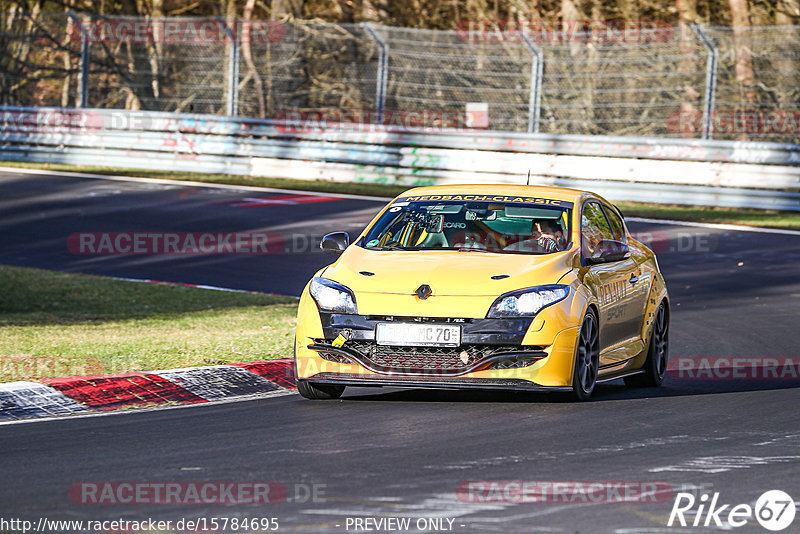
548,235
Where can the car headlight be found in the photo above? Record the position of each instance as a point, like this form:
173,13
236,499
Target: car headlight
527,302
332,296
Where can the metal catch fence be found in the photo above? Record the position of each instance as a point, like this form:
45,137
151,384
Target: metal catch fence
658,81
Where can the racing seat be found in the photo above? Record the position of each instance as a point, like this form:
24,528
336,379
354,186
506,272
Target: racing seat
434,240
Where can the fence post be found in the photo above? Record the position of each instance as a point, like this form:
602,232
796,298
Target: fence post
535,97
711,79
83,86
232,92
383,67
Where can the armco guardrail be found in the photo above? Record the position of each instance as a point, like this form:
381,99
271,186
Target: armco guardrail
718,173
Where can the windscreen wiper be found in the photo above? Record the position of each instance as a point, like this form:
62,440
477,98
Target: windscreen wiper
472,249
390,247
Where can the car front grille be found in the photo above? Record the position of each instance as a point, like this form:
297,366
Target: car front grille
416,359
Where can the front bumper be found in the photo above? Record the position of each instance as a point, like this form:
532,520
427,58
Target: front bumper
495,353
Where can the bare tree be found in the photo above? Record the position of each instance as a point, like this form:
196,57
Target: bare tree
375,11
67,61
287,9
687,15
740,19
787,12
248,58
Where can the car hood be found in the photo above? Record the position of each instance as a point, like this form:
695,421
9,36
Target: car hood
447,272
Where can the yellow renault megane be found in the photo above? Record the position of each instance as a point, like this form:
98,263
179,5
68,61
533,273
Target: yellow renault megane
476,286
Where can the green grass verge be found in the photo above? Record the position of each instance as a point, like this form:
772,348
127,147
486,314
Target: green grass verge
748,217
789,220
59,324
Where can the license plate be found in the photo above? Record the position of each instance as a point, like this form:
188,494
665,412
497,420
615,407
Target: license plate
441,335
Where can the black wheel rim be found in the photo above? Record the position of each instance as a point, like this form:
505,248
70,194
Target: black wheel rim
588,354
661,341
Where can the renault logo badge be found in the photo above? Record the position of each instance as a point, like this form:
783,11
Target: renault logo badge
424,291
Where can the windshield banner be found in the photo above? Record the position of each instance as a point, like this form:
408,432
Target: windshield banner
488,198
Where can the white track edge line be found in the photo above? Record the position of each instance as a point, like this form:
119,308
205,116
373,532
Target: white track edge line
181,284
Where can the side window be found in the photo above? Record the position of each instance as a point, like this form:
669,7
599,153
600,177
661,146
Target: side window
617,228
594,228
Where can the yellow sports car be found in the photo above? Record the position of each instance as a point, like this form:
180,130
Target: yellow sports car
477,286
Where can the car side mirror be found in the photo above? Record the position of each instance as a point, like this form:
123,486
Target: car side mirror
608,250
335,242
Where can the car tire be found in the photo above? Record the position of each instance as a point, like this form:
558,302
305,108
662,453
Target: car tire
655,366
313,391
587,357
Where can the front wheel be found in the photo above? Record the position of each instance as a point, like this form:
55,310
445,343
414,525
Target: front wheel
587,357
655,366
314,391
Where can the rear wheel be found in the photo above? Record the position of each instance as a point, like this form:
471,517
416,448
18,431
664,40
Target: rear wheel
587,357
310,390
655,366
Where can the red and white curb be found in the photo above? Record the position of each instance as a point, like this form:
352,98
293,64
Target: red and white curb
83,394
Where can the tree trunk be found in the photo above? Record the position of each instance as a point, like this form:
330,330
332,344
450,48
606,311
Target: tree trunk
248,58
688,45
67,61
740,17
787,12
583,87
375,11
282,9
787,66
156,51
570,16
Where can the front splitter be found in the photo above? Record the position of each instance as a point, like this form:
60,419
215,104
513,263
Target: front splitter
359,380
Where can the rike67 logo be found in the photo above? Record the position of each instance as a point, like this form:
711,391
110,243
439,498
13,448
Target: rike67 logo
774,510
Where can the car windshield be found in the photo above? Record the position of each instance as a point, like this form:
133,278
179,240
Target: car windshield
499,224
